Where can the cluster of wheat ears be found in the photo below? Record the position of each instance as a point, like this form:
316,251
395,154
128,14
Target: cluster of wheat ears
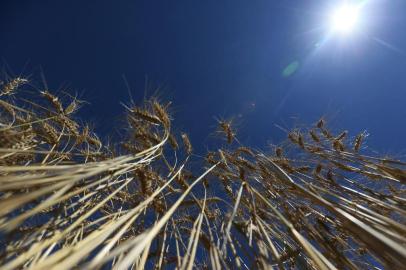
69,201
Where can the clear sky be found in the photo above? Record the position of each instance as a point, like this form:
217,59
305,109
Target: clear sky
263,62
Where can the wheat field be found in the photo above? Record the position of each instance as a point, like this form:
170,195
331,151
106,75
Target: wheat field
71,200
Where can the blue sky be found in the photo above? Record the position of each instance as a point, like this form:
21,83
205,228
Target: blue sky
220,59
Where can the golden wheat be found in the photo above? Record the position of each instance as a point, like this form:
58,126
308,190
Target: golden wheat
70,201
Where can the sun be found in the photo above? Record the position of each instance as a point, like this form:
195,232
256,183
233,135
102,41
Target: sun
344,19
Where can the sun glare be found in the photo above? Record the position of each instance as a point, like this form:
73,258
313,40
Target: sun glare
344,19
